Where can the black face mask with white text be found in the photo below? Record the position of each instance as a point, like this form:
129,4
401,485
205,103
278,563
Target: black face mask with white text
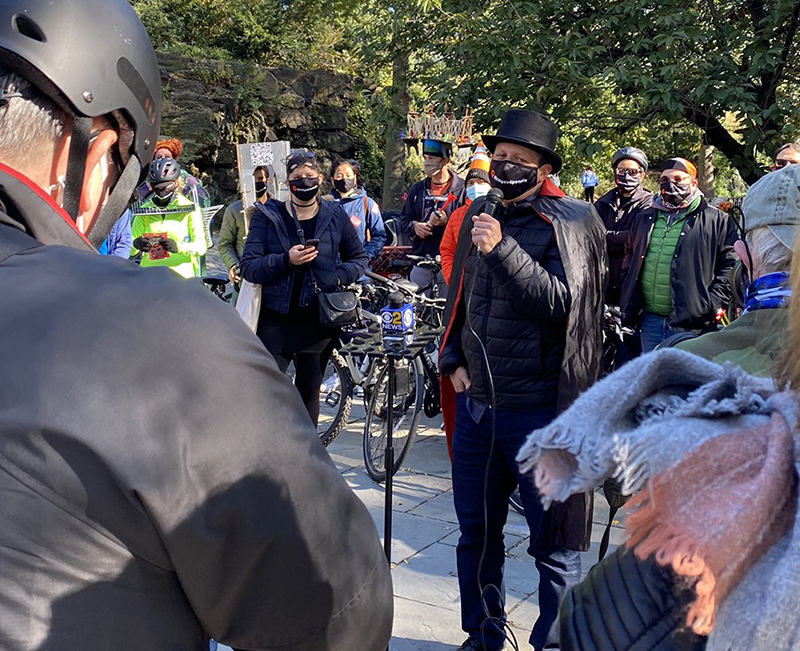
513,179
261,188
305,188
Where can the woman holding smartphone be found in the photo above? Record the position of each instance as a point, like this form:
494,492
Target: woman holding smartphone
280,260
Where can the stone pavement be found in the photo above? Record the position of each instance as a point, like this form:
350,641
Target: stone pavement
425,536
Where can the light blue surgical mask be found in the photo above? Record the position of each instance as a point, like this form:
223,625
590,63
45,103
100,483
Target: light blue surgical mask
478,190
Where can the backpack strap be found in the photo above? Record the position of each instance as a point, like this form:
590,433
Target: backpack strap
13,241
368,219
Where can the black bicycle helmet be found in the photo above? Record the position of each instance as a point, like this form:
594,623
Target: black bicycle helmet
164,170
93,58
630,153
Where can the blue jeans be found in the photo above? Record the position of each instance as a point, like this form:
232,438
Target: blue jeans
655,329
559,569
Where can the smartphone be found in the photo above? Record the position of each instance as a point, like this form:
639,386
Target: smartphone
312,243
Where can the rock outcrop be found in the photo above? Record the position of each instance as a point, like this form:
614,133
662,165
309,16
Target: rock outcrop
213,105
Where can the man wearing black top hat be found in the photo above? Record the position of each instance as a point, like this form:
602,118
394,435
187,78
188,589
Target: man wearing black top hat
523,340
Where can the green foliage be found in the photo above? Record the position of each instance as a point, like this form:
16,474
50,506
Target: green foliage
614,70
368,142
301,33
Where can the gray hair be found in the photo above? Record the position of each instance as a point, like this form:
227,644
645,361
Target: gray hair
27,122
769,253
791,146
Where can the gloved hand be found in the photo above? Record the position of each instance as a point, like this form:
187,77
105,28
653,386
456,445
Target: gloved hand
142,243
169,245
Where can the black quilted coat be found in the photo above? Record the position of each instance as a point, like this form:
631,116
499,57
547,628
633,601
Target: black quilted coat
628,605
539,308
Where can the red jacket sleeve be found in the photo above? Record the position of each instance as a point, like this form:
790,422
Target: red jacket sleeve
447,249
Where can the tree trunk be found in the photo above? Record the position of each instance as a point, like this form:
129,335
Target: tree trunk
394,171
715,134
706,170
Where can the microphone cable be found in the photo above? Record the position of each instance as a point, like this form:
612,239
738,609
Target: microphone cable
494,197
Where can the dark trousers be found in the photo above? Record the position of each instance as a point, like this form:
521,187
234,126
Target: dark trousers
309,367
588,194
559,569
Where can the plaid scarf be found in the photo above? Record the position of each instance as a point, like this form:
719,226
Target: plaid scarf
769,291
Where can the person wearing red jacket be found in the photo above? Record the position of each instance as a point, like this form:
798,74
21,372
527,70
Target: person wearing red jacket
477,185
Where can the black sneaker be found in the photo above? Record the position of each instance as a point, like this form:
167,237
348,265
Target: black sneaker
474,644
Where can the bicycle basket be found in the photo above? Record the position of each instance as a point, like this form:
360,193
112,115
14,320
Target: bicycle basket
382,265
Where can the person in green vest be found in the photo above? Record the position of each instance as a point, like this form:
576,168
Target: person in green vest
168,227
769,224
678,259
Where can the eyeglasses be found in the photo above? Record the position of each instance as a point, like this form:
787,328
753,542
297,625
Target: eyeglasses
301,158
779,164
627,172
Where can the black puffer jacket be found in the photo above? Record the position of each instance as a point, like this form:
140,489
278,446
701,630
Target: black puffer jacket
628,605
618,214
700,271
517,303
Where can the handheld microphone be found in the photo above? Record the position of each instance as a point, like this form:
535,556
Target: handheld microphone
494,198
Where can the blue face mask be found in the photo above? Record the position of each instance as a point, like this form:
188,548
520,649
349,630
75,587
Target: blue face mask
477,190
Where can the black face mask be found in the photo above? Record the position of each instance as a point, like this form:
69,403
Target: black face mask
305,189
163,202
261,189
514,180
344,185
163,195
627,183
676,193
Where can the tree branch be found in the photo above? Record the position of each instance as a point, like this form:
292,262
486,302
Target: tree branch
717,135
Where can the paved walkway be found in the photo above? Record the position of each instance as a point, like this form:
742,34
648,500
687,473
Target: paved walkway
425,535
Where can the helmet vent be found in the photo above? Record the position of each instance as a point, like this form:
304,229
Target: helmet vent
27,27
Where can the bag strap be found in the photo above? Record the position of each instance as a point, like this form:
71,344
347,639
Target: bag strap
13,241
612,511
301,234
367,215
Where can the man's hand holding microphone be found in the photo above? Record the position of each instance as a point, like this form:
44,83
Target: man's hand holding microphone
487,231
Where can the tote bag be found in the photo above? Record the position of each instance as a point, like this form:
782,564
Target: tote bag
249,304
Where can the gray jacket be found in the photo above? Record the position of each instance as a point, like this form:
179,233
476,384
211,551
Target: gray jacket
136,513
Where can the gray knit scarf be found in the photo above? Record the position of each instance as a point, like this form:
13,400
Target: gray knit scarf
643,420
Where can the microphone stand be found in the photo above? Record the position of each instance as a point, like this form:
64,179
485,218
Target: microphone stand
389,456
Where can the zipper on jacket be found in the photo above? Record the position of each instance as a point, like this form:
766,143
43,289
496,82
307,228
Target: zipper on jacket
484,329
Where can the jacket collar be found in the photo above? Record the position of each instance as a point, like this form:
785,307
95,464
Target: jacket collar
25,206
550,189
613,196
360,193
272,210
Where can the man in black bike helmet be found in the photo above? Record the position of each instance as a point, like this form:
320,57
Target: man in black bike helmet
168,228
618,208
136,513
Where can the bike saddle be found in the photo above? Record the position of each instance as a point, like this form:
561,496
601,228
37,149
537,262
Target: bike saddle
408,286
215,281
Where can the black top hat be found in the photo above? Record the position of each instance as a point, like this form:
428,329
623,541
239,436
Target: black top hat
529,129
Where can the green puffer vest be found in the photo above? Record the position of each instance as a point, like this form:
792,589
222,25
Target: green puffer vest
657,266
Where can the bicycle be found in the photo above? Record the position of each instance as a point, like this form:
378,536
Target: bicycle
416,390
218,285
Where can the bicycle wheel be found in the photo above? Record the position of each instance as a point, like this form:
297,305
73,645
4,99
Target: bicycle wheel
335,398
516,502
406,410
